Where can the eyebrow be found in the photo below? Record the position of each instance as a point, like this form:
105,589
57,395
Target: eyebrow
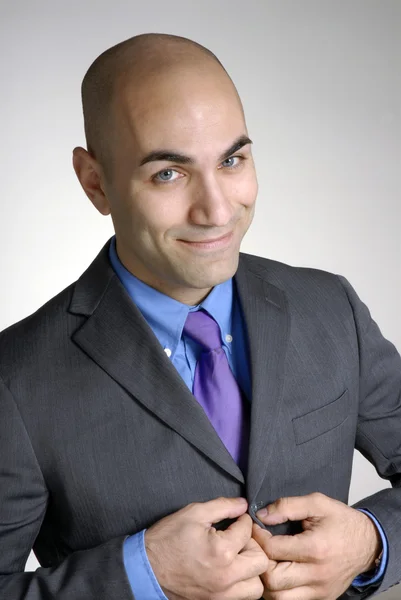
172,156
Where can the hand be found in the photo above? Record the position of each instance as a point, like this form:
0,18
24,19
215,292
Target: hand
192,560
337,544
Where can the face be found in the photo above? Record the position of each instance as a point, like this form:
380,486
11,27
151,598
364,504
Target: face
183,187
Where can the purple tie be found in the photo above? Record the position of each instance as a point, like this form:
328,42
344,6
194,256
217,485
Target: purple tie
216,388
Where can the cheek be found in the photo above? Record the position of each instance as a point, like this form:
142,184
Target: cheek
156,213
165,212
245,190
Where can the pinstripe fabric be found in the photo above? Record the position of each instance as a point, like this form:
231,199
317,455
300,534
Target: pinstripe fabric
100,437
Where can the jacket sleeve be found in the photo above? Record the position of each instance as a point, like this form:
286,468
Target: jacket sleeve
94,574
378,435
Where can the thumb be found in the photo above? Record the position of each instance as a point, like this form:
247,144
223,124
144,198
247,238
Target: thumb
295,508
253,547
216,510
261,536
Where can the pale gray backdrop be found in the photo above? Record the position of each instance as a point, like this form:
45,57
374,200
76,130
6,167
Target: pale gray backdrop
321,85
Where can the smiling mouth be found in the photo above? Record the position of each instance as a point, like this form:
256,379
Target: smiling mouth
211,244
211,241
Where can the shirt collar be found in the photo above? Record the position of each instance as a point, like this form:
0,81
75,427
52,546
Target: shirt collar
219,306
167,316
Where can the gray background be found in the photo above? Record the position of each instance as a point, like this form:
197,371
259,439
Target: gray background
321,86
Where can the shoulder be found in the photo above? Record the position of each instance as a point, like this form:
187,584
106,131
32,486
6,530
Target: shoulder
316,301
37,335
292,278
45,336
308,292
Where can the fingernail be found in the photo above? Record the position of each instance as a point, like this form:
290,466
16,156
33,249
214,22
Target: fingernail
262,513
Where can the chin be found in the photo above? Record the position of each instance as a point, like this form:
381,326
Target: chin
215,273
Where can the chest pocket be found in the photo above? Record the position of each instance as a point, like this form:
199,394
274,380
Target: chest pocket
323,419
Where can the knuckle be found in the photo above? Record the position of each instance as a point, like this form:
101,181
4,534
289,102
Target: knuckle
246,519
226,556
193,511
260,564
322,550
319,550
259,589
264,563
282,502
272,582
279,503
318,496
314,548
191,507
255,590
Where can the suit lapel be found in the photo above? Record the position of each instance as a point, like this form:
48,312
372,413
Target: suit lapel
267,323
116,336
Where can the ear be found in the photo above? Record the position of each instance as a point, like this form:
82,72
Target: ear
90,177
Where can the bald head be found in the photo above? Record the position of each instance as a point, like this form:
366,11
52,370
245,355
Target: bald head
170,160
136,63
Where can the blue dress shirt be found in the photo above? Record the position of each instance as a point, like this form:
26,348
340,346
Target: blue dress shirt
167,317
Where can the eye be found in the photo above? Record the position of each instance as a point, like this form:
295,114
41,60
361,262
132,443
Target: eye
232,162
166,176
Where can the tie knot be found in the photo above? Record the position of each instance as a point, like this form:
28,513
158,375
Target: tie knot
202,328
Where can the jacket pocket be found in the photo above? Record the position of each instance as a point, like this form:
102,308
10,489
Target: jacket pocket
323,419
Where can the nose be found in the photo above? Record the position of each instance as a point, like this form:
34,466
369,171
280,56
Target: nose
210,204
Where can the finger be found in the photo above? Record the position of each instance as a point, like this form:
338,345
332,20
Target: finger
301,548
287,576
251,589
265,532
261,536
216,510
253,546
299,593
250,562
237,535
294,508
247,567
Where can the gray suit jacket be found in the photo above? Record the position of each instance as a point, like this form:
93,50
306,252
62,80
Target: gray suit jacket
100,437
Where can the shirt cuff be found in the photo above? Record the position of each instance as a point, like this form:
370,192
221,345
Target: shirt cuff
364,580
140,574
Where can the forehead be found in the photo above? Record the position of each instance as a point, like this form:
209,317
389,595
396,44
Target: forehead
188,111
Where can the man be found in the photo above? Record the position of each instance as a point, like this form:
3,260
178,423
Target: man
152,410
